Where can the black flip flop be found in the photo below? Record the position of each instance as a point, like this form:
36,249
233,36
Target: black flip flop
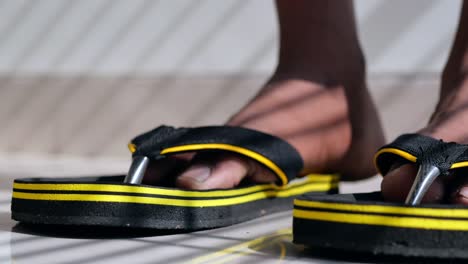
366,223
124,201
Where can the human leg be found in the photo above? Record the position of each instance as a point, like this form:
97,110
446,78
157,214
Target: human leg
316,100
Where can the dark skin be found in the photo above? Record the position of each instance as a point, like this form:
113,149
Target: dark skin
317,93
448,122
317,100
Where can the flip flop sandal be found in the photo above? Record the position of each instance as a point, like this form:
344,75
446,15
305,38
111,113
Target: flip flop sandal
125,201
366,223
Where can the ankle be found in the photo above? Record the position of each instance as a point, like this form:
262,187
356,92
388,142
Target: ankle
455,74
325,67
454,88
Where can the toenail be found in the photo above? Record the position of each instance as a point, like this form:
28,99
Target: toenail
198,173
463,192
397,166
394,170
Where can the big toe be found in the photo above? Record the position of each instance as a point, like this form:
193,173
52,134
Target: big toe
397,184
460,195
221,171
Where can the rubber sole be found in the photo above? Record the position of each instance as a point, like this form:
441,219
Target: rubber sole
106,201
363,223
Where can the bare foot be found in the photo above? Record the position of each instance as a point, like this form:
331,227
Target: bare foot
449,123
315,119
317,101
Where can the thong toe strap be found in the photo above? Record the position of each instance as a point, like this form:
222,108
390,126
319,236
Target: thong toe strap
272,152
434,157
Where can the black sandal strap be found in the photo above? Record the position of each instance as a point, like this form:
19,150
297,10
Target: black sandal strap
271,151
421,149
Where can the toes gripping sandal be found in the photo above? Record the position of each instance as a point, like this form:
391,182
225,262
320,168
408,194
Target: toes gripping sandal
365,223
125,201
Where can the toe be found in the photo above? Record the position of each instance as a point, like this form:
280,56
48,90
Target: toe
397,184
460,195
161,172
220,171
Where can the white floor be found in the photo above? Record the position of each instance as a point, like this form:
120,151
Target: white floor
267,239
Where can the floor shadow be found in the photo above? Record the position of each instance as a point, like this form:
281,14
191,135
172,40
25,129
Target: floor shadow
277,246
5,222
338,255
90,232
280,246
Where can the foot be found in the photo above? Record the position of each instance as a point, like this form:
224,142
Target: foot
314,118
449,124
317,101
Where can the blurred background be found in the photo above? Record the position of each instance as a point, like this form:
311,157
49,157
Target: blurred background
79,79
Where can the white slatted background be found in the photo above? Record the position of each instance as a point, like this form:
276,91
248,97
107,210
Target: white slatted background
82,77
